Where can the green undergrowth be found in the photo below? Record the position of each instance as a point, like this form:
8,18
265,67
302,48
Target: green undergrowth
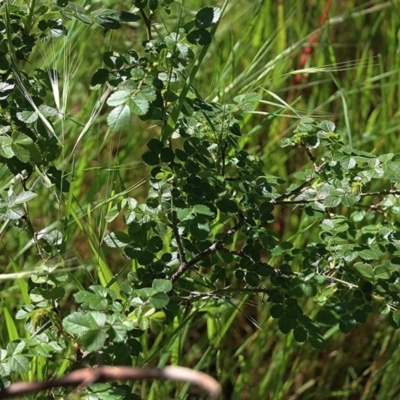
110,194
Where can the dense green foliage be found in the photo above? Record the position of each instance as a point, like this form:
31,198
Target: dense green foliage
199,229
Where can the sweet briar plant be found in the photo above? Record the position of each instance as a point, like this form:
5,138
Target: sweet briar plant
205,232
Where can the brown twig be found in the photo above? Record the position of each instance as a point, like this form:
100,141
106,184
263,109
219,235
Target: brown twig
28,222
147,21
195,296
84,377
383,192
282,197
31,230
184,266
175,229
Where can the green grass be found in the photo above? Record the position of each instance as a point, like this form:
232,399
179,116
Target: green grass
352,78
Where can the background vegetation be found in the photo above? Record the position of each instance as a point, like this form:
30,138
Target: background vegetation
346,54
